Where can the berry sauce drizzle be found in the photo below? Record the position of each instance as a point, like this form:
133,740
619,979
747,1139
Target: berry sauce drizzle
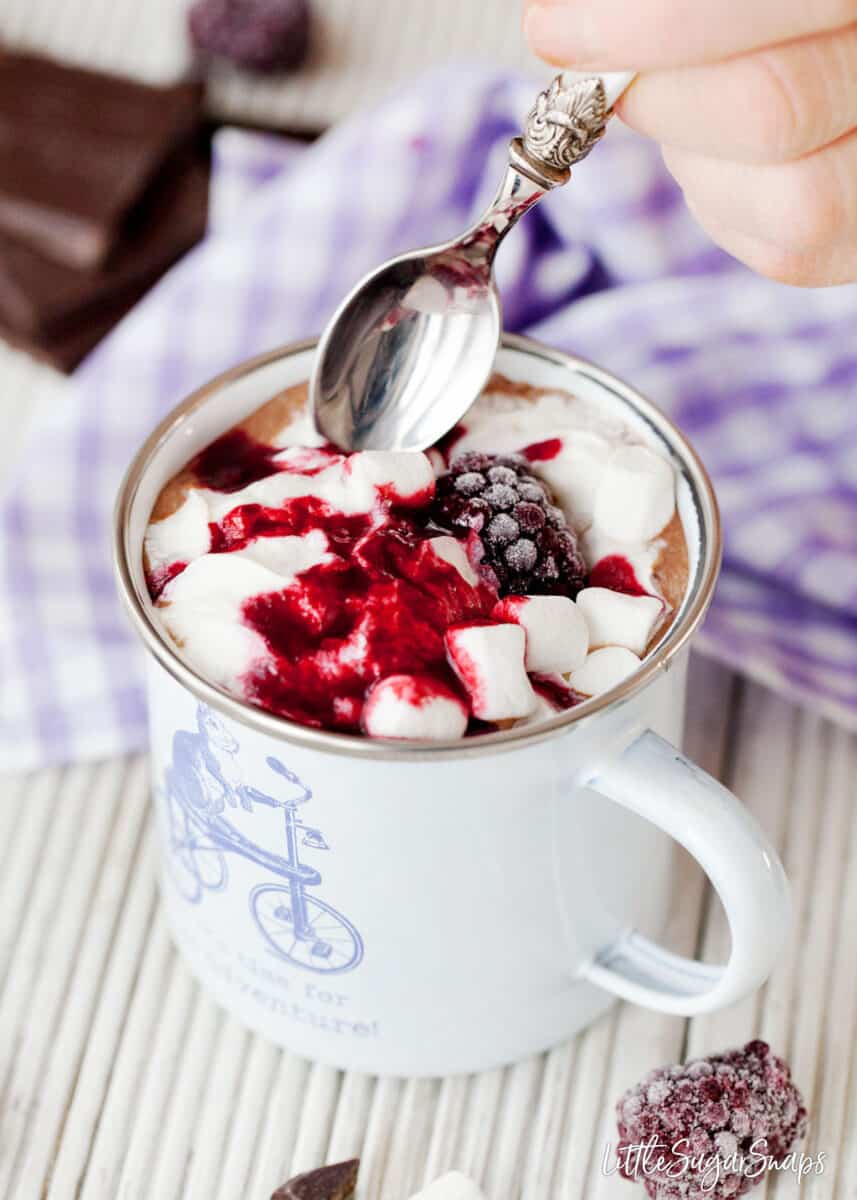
158,579
542,451
233,461
556,691
380,607
383,601
616,573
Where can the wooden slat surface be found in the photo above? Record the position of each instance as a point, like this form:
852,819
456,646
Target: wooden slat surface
120,1080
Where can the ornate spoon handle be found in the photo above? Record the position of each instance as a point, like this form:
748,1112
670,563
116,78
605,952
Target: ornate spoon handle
565,122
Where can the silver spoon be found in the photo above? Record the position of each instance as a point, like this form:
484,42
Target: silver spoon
411,347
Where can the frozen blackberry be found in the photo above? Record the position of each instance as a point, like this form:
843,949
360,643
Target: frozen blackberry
711,1123
263,35
529,548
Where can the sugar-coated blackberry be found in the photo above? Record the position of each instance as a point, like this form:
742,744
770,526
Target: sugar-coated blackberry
528,546
710,1124
262,35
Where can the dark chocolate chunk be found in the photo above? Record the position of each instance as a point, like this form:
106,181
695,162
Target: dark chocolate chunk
64,350
336,1182
62,327
41,298
78,149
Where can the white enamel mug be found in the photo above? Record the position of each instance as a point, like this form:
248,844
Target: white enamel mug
428,909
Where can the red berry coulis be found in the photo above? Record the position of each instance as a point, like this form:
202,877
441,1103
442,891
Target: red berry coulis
380,607
384,601
233,461
542,451
616,573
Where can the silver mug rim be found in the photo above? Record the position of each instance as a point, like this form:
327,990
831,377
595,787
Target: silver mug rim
694,606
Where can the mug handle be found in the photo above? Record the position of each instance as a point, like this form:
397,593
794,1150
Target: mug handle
656,781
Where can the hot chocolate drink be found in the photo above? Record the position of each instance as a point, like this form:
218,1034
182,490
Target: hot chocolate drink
523,565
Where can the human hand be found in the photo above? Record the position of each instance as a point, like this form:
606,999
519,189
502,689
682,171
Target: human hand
755,104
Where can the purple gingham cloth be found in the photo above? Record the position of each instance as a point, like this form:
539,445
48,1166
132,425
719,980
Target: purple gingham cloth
762,377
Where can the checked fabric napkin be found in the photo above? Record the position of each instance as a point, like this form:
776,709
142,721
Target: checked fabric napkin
762,377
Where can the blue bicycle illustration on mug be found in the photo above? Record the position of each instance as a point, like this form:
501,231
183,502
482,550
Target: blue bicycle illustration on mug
199,785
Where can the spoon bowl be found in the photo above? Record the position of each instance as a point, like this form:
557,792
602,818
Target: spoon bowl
406,353
412,346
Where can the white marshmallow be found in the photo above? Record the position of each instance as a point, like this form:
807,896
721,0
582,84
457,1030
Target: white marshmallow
409,706
334,485
452,1186
575,474
202,607
544,707
636,496
616,619
305,459
299,430
501,424
489,661
640,556
348,485
603,670
406,475
557,633
289,555
451,550
182,536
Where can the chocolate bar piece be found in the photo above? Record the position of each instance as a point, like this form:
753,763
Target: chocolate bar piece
65,349
40,298
59,315
78,149
336,1182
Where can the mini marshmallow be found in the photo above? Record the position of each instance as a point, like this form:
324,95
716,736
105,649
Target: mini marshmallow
414,706
575,475
451,550
405,476
202,607
616,619
289,555
603,670
489,661
348,485
452,1186
306,459
299,429
636,496
182,536
641,557
544,707
557,633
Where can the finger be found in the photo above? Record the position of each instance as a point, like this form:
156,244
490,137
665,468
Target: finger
646,34
806,205
801,268
765,107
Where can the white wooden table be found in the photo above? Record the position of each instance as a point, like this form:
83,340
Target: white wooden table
120,1080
